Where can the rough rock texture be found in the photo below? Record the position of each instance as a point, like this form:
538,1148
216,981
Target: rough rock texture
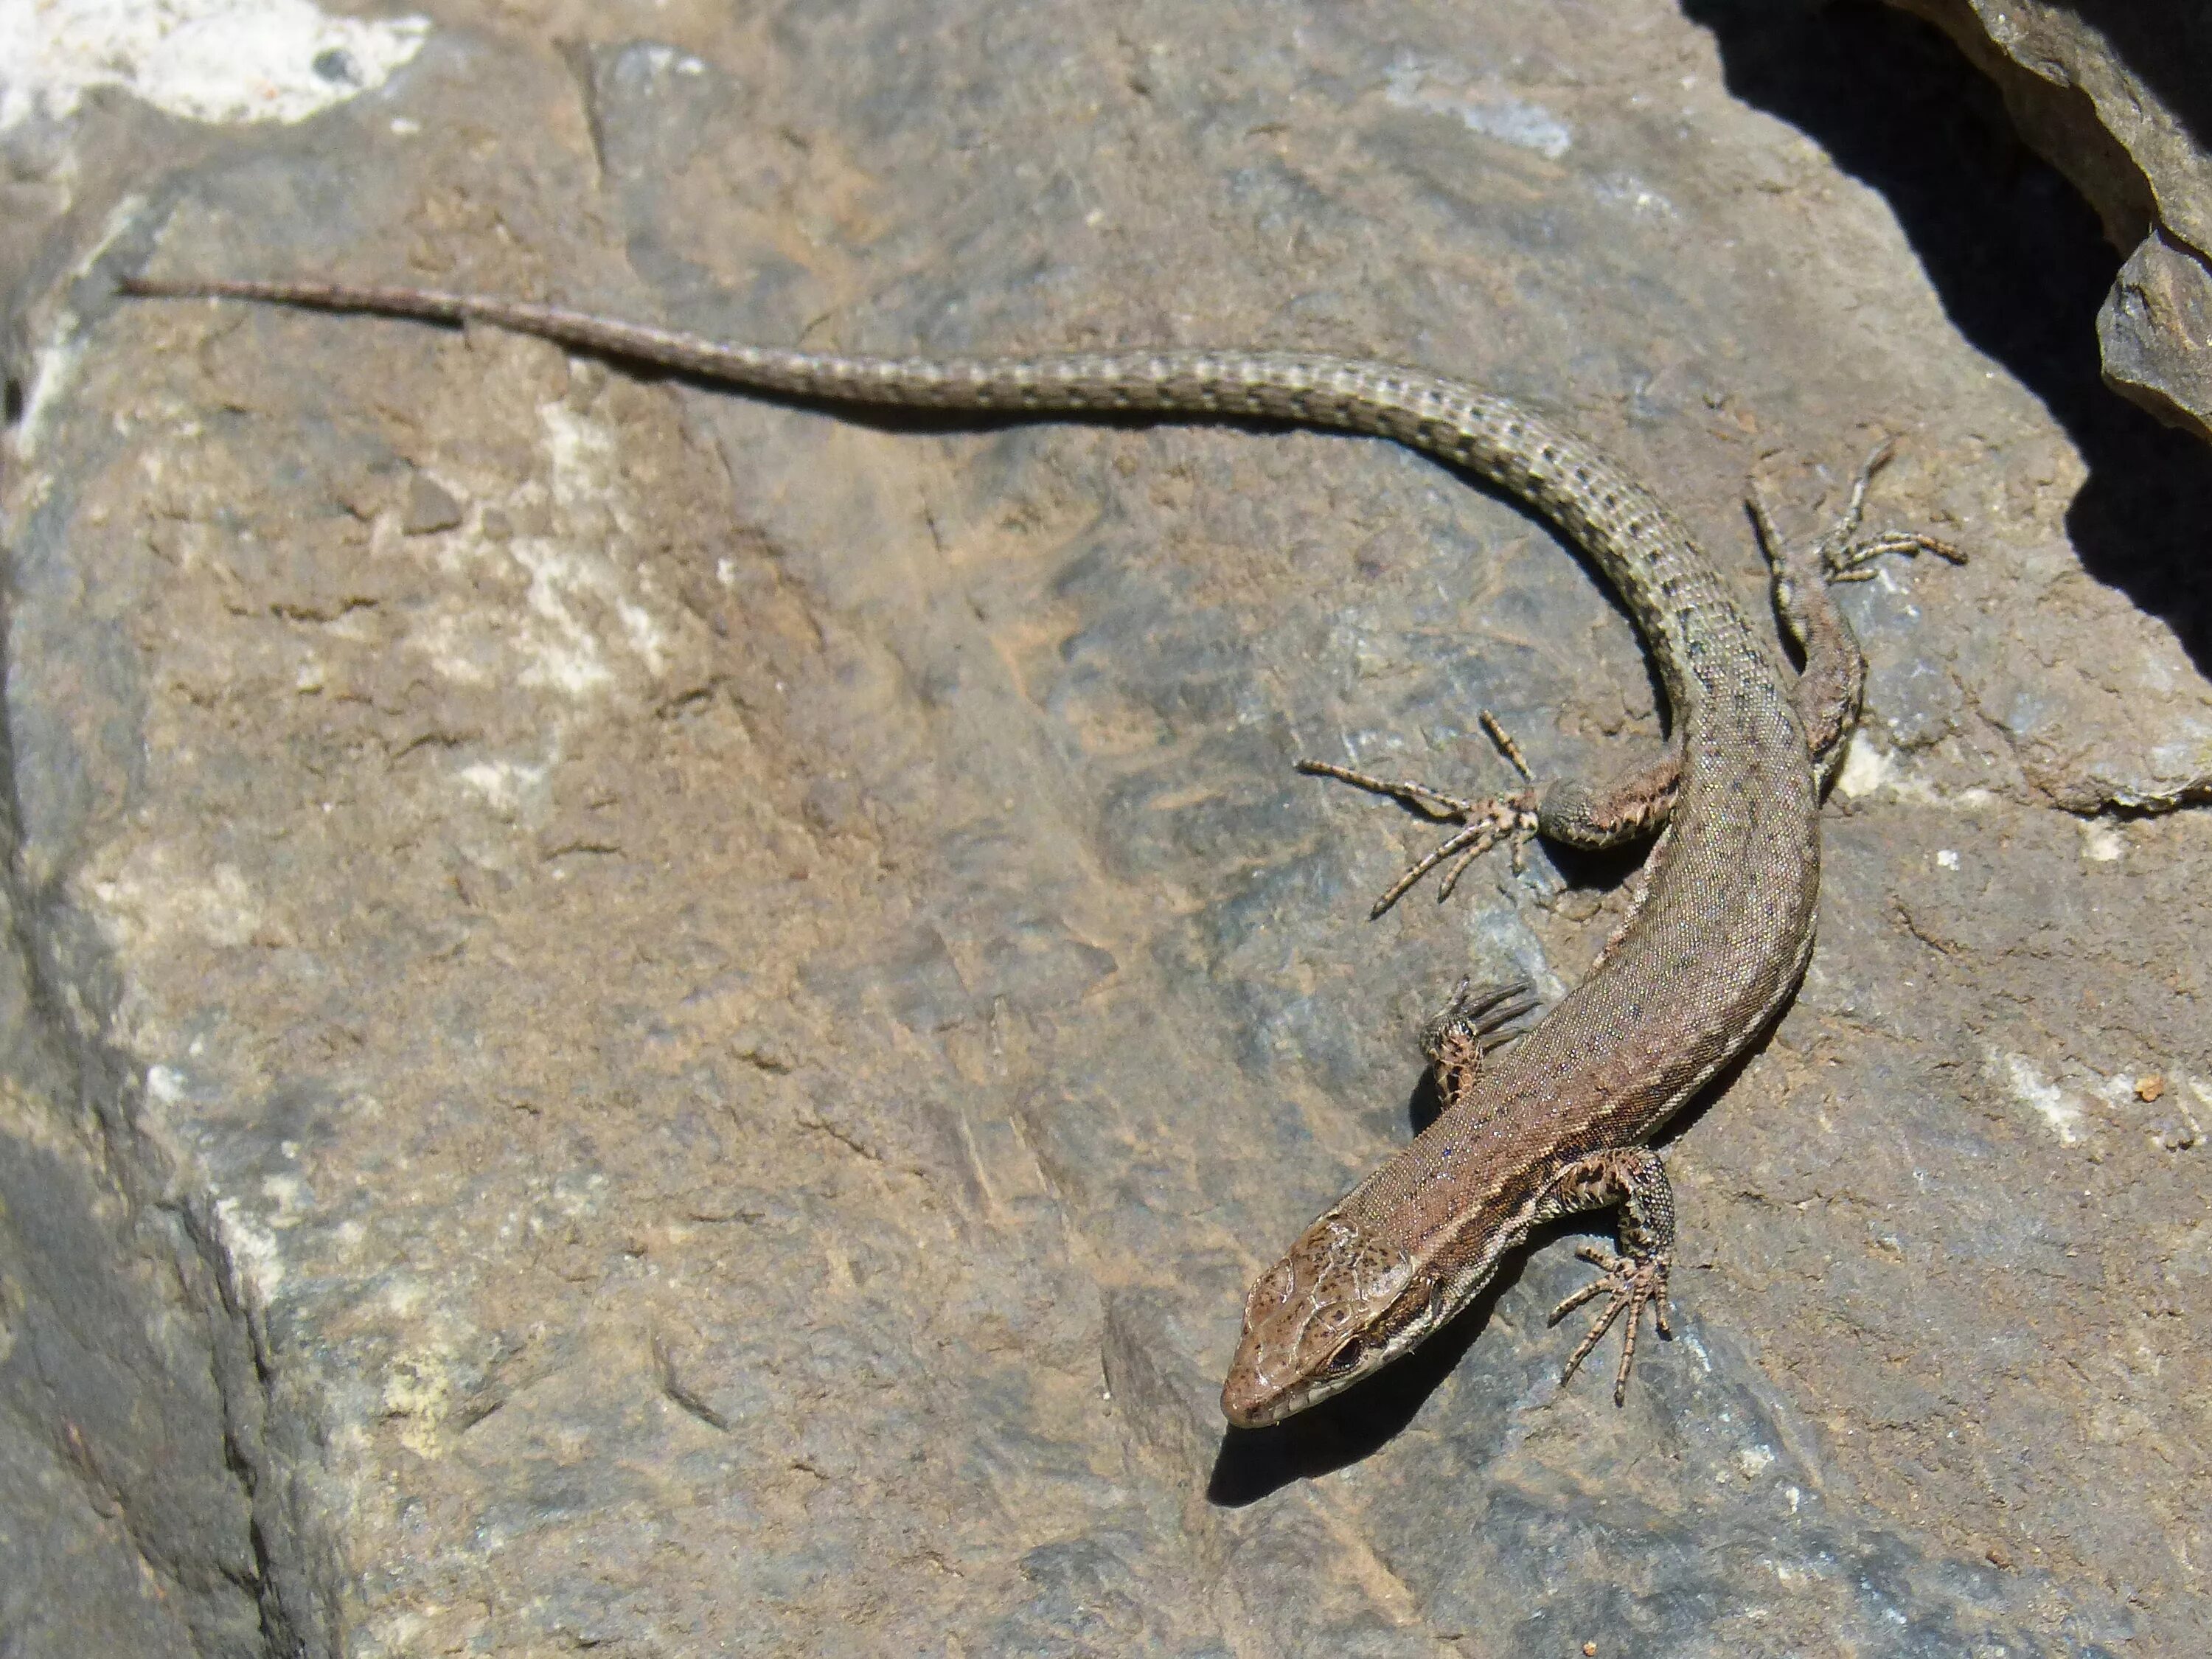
647,1020
2118,94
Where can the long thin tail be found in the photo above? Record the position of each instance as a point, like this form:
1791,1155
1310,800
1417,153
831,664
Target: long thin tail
1308,388
1644,551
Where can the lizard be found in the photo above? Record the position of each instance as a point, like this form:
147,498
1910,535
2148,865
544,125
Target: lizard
1721,918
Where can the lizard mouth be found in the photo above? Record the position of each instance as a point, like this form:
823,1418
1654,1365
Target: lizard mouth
1248,1403
1264,1412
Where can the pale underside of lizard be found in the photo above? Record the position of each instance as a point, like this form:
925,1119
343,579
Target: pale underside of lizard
1722,918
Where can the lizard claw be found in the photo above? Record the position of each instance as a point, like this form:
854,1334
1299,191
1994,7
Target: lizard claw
1509,817
1503,818
1850,564
1633,1283
1846,556
1485,822
1477,1020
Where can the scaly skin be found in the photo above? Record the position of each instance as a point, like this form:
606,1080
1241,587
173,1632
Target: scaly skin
1717,943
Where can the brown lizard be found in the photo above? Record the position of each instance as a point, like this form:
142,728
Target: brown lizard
1721,921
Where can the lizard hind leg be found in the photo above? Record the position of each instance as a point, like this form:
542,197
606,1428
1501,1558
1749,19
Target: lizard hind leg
1509,817
1833,681
1472,1023
1634,1178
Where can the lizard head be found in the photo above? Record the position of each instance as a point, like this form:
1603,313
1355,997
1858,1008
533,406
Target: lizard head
1339,1306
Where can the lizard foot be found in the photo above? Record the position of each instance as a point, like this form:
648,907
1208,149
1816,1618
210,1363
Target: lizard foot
1845,559
1831,686
1843,555
1468,1027
1510,817
1633,1283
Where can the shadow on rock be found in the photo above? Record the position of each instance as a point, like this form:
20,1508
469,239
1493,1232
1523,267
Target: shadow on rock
2016,257
1252,1463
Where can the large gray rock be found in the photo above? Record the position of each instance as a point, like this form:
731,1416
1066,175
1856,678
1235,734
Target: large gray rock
649,1020
2116,94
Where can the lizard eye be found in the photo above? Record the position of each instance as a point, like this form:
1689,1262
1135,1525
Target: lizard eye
1344,1359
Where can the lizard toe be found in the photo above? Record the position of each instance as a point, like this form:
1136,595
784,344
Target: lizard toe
1630,1285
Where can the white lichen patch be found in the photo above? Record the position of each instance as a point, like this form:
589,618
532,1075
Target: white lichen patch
1870,770
2102,843
1867,769
645,640
564,655
575,1196
288,1200
582,612
252,1251
582,453
2060,1109
55,360
452,645
218,61
54,364
418,1390
155,900
1751,1461
506,786
1490,111
1627,191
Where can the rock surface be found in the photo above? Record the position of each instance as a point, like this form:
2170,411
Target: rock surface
649,1020
2117,95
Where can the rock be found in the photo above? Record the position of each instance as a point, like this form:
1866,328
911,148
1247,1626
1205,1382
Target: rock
694,1052
430,506
2114,95
2154,329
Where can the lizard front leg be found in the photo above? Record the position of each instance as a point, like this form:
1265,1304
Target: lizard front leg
1467,1028
1578,814
1634,1178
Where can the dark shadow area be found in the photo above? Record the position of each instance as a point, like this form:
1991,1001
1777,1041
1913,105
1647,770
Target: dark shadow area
1426,1105
2016,257
1600,866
